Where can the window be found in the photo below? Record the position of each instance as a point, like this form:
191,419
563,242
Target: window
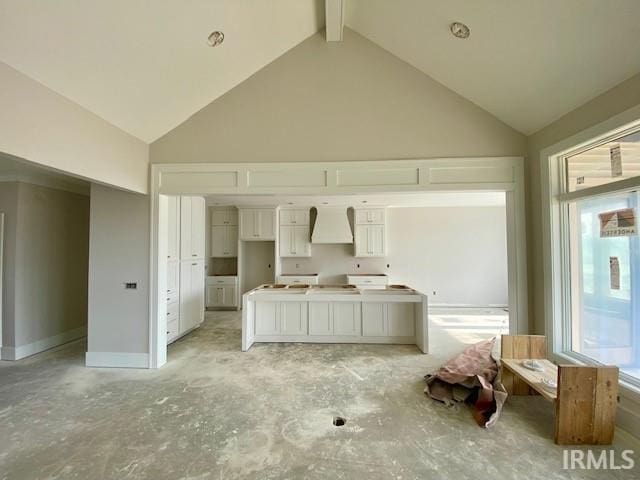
599,204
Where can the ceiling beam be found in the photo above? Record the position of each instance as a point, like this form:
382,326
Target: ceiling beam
334,18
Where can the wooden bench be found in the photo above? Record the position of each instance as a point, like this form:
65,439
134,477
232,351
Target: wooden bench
586,396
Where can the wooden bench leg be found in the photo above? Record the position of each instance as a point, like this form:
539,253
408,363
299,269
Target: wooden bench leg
586,405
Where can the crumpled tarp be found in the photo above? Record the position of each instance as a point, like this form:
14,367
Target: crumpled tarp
472,377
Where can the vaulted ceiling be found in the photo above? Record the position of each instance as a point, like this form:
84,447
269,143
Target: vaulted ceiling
145,66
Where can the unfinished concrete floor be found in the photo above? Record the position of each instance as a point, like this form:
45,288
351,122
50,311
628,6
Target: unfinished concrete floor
215,412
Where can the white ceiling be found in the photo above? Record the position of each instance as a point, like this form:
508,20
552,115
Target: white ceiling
144,65
421,199
528,62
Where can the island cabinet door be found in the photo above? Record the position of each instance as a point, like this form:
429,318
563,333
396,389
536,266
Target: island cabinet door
347,319
293,318
374,319
266,318
402,320
320,318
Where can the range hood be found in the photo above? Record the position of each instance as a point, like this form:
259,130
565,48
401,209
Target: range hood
332,226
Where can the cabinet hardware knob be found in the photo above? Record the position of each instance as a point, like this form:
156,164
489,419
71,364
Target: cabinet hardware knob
168,299
194,255
168,314
168,333
194,264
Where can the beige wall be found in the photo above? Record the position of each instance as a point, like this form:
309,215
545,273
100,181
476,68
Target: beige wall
9,206
118,253
337,102
43,127
618,99
46,265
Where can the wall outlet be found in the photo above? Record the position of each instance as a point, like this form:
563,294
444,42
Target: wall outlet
434,292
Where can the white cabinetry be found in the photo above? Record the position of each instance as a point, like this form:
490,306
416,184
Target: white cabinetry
257,224
227,216
368,281
298,216
335,318
173,226
192,221
370,232
388,319
185,264
295,233
294,241
224,232
191,294
293,318
222,291
224,241
298,279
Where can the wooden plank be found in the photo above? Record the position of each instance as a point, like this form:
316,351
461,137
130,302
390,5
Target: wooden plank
531,378
586,405
521,347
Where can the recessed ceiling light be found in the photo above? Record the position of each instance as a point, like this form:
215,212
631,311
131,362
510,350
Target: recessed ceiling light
460,30
215,38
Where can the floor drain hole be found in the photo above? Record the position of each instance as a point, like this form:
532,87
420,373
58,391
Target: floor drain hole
339,421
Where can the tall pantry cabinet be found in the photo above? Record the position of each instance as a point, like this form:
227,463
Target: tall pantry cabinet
185,265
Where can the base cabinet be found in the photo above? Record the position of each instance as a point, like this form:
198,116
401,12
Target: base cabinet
293,318
374,320
337,319
320,318
221,291
266,318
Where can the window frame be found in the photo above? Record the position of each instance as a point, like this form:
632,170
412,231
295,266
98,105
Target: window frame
556,246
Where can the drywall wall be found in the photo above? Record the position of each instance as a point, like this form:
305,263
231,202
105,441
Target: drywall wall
458,252
46,254
9,206
618,99
258,264
41,126
118,253
336,102
51,264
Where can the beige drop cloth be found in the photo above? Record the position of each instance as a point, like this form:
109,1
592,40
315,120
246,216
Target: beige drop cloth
472,375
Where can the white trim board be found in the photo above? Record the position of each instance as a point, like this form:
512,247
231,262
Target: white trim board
117,360
490,174
23,351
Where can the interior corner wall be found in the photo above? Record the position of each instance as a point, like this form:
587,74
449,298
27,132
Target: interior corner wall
343,101
43,127
46,255
620,98
9,206
118,334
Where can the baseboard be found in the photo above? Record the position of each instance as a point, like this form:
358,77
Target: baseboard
23,351
464,305
117,360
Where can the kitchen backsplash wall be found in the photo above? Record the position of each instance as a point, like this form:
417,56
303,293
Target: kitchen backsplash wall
332,263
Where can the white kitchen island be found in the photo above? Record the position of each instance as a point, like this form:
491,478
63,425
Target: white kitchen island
334,314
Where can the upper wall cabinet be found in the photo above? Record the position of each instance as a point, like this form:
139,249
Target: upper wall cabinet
173,227
222,217
257,224
370,216
298,216
192,225
370,232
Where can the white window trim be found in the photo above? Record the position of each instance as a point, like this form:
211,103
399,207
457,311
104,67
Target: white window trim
553,248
